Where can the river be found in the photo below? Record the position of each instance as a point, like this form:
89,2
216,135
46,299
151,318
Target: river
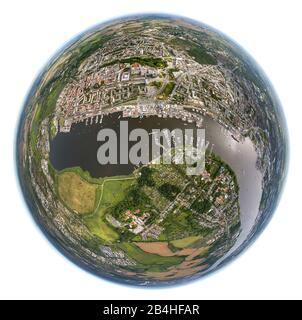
79,148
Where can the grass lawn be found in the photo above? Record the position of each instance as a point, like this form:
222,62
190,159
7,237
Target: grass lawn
78,194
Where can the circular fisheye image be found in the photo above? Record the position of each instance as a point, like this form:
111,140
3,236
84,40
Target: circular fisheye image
152,150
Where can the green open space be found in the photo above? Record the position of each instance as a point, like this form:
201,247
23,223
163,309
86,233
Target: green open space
181,222
111,192
201,205
149,259
92,197
76,193
144,61
167,90
156,84
197,51
169,190
185,242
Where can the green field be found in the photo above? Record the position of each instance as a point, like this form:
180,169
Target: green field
92,197
184,242
114,190
111,192
201,56
97,225
149,259
76,193
35,127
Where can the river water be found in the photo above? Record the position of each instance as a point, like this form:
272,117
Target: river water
79,148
